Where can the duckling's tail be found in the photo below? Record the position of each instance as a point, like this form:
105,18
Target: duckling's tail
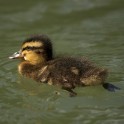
110,87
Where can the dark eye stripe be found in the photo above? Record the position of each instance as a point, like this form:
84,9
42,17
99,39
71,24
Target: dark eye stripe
31,48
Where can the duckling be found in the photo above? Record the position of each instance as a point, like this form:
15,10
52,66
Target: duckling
38,63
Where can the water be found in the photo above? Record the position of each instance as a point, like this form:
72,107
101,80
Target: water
91,28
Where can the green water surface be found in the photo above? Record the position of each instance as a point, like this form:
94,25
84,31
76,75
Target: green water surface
91,28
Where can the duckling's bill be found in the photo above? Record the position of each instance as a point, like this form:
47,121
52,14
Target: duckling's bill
16,55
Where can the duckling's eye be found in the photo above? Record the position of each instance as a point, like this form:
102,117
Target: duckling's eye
38,52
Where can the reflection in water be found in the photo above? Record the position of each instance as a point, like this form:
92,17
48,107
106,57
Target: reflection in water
91,28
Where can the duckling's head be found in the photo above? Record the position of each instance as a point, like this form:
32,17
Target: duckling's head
36,49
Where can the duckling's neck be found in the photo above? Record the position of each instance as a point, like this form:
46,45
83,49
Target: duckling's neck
29,70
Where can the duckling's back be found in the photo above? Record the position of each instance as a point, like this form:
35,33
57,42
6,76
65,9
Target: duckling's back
71,72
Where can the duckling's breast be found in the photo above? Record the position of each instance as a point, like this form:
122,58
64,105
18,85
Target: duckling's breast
27,69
